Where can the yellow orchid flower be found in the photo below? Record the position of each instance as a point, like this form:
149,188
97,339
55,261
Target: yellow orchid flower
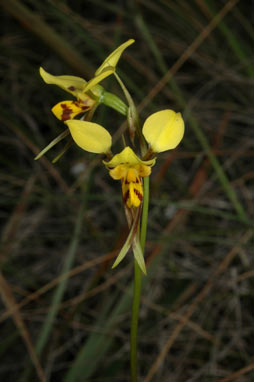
125,166
78,87
74,85
130,169
162,130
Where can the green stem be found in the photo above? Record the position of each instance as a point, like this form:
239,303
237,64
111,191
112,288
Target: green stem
113,101
137,287
144,213
134,320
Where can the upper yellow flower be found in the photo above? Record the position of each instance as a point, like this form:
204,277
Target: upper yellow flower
78,87
162,130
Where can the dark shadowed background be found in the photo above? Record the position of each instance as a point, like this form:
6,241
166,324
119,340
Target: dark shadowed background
196,319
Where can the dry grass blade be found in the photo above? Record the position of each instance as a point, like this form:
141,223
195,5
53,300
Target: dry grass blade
188,52
10,302
238,374
37,26
179,317
193,306
75,271
14,221
44,161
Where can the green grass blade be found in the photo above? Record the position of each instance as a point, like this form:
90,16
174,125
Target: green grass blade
59,293
221,175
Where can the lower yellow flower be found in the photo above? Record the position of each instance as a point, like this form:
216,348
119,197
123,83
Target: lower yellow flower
130,169
131,183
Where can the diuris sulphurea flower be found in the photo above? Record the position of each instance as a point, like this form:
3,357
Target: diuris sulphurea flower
65,110
132,166
87,94
162,131
130,169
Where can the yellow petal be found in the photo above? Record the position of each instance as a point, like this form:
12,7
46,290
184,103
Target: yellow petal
132,188
118,172
94,81
113,58
134,196
127,157
70,109
163,130
71,84
90,136
143,170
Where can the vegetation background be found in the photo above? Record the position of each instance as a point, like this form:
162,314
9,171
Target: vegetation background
65,314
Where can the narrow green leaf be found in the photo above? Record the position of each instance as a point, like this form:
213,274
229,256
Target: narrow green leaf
66,147
53,143
123,251
138,254
130,238
113,101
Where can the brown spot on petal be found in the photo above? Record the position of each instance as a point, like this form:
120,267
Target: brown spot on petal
66,112
139,195
126,196
72,88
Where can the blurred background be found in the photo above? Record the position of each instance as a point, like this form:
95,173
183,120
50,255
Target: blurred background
65,314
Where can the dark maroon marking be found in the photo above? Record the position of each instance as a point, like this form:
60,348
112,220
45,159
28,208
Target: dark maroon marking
72,88
126,196
81,104
66,112
139,195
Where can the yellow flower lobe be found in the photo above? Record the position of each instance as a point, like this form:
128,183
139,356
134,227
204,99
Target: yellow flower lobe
163,130
130,169
66,110
132,188
90,136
